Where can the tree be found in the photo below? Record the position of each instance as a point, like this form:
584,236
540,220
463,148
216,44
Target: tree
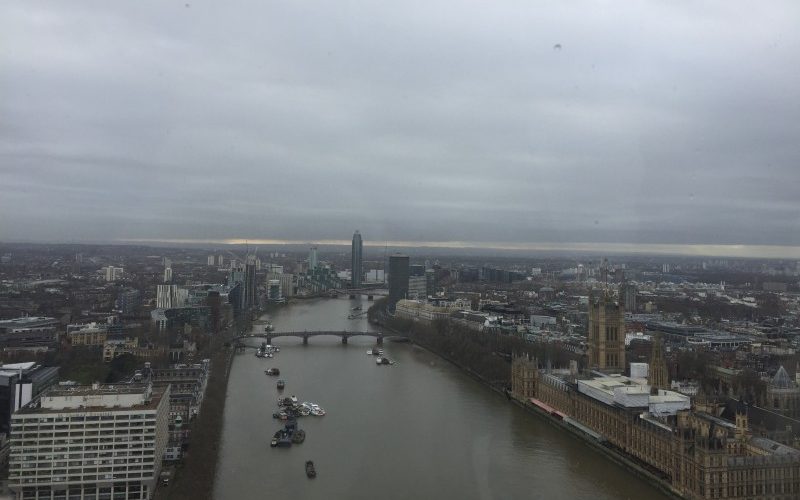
120,367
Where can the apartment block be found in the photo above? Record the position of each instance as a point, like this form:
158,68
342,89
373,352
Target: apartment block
90,442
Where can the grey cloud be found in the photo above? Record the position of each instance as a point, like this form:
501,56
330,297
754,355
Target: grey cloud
430,121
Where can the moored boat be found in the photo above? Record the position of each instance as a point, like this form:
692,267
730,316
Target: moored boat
310,470
299,436
281,384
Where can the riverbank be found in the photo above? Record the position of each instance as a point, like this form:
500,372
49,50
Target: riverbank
194,476
617,456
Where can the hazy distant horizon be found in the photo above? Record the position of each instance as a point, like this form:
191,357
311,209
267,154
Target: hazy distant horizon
470,248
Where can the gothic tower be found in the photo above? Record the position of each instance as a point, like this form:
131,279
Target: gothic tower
659,376
606,333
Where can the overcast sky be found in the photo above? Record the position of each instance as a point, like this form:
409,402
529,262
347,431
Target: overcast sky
431,121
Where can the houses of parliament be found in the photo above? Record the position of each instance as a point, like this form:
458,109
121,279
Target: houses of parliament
685,443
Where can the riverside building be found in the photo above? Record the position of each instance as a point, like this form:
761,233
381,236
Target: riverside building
356,260
606,333
690,448
98,442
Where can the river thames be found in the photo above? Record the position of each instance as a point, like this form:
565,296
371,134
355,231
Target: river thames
418,429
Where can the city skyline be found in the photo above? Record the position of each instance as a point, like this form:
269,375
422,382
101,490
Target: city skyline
622,123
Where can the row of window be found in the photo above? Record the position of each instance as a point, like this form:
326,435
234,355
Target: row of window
83,418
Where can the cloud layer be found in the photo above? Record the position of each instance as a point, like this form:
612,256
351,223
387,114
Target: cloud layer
514,122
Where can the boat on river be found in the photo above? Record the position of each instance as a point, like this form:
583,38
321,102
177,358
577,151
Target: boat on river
299,436
272,371
281,384
311,472
383,361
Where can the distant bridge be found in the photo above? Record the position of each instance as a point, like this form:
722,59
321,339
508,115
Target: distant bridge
370,291
305,335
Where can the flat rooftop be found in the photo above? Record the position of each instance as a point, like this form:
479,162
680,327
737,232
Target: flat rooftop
27,321
77,399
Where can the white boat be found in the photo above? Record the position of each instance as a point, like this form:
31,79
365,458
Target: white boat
378,361
294,399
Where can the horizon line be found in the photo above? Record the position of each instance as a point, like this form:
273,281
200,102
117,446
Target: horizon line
745,251
691,249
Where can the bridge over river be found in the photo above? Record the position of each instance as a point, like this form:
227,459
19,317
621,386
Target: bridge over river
305,335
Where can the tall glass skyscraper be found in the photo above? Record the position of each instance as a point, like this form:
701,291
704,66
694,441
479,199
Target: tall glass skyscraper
312,259
356,259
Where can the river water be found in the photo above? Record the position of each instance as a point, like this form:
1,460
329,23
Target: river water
418,429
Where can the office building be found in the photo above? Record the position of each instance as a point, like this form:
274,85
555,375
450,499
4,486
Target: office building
211,260
19,384
431,282
250,296
128,301
398,279
287,285
419,310
187,388
99,441
416,270
28,331
180,317
113,348
169,296
356,260
167,275
89,334
112,273
606,334
274,291
627,295
375,276
236,274
312,259
417,287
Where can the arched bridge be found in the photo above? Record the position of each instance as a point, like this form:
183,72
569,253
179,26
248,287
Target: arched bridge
305,335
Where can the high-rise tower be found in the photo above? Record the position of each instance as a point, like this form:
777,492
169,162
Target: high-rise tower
250,299
398,278
356,259
312,259
606,333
